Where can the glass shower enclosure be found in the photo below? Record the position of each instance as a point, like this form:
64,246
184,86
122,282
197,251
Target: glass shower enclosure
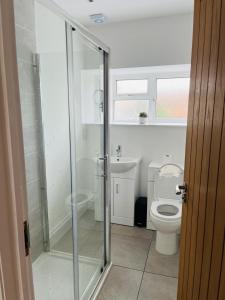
72,70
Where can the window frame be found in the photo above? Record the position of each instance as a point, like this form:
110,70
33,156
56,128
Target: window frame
152,74
141,96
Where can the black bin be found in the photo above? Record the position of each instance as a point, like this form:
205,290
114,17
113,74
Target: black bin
140,218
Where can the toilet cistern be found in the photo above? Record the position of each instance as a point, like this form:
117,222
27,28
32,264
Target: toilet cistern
118,151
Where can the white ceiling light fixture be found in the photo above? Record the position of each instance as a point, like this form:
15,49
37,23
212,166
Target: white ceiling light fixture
98,18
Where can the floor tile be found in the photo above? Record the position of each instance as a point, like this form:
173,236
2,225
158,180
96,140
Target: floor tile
87,221
129,252
92,245
65,244
90,235
121,284
157,287
162,264
132,231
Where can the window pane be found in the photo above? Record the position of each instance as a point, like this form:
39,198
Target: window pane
137,86
128,110
172,98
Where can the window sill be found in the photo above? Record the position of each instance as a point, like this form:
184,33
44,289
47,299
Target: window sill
150,124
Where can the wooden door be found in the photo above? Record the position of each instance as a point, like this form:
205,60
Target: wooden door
15,265
201,274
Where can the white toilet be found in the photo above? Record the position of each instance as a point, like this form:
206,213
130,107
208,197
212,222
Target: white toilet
164,206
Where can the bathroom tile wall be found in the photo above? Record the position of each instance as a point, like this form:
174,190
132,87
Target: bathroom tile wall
30,107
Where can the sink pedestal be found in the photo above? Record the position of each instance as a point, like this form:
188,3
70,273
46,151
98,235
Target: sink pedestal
124,190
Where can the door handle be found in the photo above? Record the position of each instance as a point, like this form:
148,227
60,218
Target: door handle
103,158
117,188
102,175
182,190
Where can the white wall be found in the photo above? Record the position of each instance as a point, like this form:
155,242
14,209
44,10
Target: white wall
148,42
51,45
149,143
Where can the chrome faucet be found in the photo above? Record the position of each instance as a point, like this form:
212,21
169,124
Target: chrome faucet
118,151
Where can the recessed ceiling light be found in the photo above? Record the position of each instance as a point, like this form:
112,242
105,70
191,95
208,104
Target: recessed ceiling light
98,18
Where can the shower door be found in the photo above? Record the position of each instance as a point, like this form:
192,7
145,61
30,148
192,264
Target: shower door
88,158
67,205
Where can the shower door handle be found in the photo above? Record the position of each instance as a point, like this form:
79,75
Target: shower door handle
117,188
102,175
105,160
102,158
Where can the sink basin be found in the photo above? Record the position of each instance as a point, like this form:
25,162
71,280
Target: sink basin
123,164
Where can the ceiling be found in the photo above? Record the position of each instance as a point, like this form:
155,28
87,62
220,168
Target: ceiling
124,10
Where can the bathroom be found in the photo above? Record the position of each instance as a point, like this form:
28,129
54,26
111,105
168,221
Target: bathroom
73,244
157,142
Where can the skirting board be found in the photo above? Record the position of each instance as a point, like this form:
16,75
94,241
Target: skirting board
60,230
122,221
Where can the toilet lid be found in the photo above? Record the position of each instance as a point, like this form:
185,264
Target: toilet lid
167,210
165,181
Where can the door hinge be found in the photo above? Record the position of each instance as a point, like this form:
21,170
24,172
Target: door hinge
26,237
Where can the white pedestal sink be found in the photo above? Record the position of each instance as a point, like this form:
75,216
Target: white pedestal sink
124,189
123,164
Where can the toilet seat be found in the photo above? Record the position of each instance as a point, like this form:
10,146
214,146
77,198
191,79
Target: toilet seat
173,208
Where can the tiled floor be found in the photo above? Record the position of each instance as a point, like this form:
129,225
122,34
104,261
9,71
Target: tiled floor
90,238
139,272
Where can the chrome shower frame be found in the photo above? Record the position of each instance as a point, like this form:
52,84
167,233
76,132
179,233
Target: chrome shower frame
70,25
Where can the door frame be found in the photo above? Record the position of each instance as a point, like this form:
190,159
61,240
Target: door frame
15,266
16,280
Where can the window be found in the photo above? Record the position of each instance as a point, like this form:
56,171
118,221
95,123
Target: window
128,110
172,98
131,96
161,92
132,87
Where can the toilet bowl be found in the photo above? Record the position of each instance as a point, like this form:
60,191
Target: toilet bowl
166,218
165,207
